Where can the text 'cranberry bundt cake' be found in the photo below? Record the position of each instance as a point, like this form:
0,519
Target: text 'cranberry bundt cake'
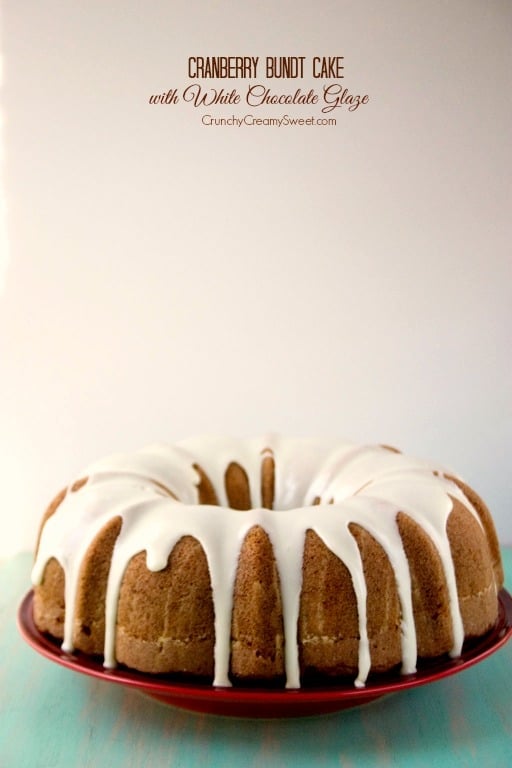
273,560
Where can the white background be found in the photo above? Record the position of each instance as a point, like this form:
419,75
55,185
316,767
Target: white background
164,279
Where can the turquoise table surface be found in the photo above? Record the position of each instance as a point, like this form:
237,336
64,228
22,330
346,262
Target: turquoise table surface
52,717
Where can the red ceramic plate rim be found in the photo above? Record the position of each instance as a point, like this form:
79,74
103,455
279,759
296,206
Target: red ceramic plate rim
263,702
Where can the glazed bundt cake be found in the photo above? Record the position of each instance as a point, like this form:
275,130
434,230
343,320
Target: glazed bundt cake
272,560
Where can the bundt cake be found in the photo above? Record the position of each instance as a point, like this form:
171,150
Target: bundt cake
271,561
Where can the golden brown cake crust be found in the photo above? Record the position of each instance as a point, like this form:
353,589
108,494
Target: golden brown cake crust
257,634
429,590
165,618
328,625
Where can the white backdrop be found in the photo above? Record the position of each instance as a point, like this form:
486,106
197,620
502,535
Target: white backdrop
165,278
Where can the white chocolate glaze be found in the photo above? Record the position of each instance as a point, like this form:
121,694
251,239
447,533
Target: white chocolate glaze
320,485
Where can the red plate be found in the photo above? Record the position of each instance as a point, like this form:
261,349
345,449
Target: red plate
256,702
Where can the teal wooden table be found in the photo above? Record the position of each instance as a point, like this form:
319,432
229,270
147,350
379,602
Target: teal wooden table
52,717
